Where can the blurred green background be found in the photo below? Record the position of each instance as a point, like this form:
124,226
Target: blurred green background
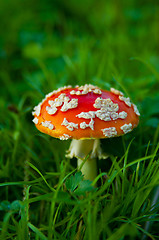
45,44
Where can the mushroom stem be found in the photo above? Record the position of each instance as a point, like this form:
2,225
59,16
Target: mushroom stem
88,169
80,149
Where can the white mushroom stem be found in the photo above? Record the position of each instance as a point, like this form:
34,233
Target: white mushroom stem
83,148
88,169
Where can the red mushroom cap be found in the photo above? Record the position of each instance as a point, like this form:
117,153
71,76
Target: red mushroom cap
85,112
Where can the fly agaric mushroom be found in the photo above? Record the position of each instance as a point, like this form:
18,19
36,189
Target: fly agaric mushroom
85,114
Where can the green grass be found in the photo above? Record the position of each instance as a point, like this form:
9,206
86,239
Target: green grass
45,45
